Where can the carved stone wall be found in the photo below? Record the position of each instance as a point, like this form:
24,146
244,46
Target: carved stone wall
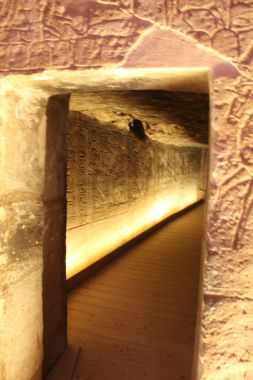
115,181
109,171
46,34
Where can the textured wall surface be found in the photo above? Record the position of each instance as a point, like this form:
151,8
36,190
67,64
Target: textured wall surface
22,219
117,171
33,216
39,34
64,34
161,112
118,185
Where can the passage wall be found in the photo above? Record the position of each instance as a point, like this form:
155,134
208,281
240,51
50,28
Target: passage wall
119,185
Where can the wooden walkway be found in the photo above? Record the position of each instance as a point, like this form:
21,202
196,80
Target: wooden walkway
135,319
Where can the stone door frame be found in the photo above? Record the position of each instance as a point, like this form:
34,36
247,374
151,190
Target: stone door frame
35,110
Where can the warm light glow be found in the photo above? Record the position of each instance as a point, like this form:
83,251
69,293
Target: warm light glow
91,242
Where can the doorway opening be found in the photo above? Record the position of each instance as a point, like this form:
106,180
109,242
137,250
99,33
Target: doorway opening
133,159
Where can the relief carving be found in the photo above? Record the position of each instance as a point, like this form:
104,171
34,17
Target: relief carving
236,174
86,26
226,42
109,171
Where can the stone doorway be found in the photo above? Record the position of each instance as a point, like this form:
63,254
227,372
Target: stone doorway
35,135
119,184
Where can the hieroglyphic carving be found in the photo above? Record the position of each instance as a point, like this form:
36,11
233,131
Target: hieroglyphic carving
229,237
37,35
62,34
232,168
65,24
110,171
155,11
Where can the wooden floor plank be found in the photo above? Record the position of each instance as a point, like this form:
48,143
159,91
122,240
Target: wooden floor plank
135,318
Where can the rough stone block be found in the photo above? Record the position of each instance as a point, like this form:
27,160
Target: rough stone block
4,57
245,40
34,16
22,131
8,35
120,3
155,11
191,4
113,49
226,42
201,19
87,52
19,18
241,15
71,15
40,55
229,357
106,13
32,34
115,28
21,316
19,56
112,21
31,4
62,55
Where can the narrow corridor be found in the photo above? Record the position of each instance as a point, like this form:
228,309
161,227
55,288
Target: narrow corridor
135,319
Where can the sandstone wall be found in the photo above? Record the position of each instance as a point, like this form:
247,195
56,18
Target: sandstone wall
32,233
21,234
118,186
45,34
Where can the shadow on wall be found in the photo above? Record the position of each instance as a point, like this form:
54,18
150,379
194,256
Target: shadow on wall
54,233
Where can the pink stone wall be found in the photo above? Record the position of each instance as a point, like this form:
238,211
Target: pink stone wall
80,34
46,34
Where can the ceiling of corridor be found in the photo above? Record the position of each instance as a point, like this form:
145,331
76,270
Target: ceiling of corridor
168,117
